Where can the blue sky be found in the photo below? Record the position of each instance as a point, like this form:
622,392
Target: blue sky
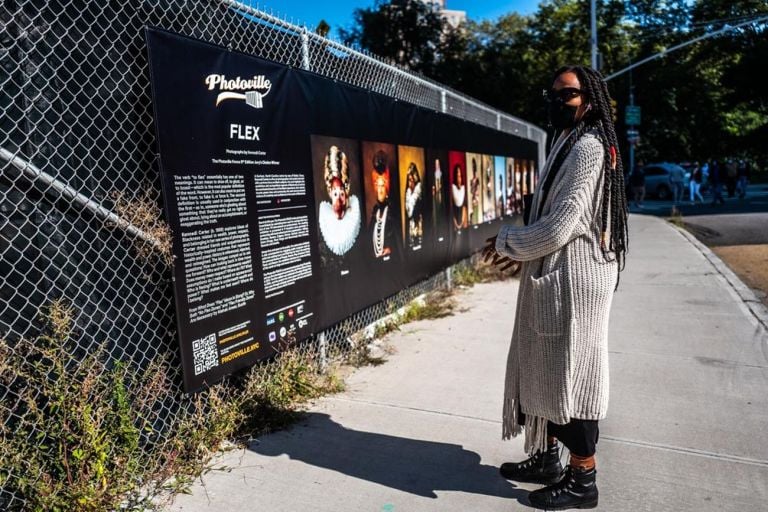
338,13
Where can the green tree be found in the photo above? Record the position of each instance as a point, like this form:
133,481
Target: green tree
703,101
507,62
323,28
406,32
727,65
697,101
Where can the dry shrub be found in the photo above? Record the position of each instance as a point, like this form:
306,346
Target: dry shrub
143,212
80,433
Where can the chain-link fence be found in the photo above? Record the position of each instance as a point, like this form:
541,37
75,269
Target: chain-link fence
80,217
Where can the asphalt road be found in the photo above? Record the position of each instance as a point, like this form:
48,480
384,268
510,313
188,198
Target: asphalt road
737,222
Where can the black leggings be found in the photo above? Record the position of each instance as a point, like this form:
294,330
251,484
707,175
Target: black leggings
579,436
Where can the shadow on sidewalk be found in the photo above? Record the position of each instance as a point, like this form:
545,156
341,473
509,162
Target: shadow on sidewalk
409,465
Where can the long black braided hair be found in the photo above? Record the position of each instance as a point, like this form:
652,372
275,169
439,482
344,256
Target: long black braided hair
613,207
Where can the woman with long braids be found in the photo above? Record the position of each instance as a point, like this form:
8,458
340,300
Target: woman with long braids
570,255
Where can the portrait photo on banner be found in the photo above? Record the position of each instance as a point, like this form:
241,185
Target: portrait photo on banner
338,198
382,239
457,176
489,188
412,183
512,200
475,188
438,170
527,178
520,182
501,174
534,174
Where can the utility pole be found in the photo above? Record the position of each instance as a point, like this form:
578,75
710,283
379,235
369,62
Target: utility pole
632,116
593,39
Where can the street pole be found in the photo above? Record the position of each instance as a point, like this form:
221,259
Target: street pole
593,40
631,143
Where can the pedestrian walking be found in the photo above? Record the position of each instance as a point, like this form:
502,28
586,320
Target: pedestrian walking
697,177
714,177
731,175
637,182
743,178
677,183
570,255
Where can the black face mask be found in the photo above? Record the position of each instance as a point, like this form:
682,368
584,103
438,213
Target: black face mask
562,116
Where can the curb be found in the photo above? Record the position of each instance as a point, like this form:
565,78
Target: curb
745,293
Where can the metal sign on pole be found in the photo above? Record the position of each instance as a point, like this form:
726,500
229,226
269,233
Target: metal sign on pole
632,115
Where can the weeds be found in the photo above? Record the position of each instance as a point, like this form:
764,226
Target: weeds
143,212
386,326
80,434
477,271
72,434
362,353
275,391
436,304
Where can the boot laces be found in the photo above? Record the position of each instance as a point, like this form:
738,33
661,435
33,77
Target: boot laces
530,461
537,458
566,483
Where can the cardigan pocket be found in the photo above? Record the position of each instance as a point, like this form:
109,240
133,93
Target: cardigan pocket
550,315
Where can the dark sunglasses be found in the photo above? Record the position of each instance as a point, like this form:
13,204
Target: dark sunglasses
561,95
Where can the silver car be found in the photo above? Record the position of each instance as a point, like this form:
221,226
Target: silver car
657,180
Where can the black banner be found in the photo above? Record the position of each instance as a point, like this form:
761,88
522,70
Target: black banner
296,201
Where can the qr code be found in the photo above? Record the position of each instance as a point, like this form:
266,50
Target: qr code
205,355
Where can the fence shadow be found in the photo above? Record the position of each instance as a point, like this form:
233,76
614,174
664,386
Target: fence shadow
411,465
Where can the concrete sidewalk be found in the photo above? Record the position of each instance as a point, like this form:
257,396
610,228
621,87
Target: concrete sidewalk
686,428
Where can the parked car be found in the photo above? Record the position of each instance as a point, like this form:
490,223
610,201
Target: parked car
657,180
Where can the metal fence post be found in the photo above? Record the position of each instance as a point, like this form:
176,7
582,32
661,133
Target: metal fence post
304,49
444,109
323,343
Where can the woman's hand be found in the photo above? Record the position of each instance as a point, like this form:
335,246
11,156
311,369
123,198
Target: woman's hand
489,253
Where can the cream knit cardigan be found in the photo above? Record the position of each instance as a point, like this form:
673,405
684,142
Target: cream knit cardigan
557,368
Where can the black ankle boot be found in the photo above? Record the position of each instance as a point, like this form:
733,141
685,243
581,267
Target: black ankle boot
576,489
542,468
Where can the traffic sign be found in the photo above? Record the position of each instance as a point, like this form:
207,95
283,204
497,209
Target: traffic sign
632,115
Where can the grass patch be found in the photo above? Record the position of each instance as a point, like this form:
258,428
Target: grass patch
81,433
436,304
74,436
474,271
362,354
275,392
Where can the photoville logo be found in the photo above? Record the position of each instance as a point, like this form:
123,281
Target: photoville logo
252,90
